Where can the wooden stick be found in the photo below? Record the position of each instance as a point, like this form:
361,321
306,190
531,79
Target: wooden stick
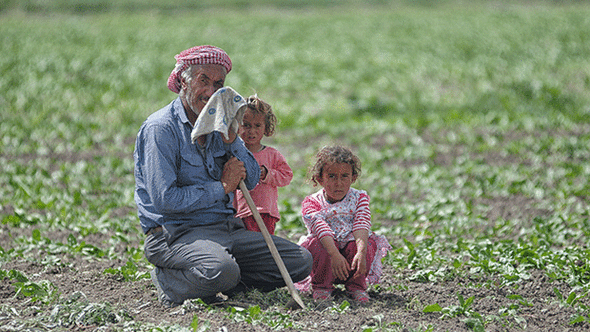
271,245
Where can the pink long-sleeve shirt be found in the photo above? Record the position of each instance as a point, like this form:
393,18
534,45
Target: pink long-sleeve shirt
338,220
265,194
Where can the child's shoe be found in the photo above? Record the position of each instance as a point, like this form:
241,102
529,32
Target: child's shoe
359,295
321,294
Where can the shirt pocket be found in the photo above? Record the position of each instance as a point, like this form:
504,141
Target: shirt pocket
191,166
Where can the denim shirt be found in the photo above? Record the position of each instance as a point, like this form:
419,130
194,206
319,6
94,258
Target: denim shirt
178,182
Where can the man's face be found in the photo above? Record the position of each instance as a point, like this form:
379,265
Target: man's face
206,79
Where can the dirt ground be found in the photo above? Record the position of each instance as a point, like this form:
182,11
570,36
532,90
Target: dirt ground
397,305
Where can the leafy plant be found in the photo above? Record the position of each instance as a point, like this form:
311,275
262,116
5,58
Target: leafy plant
342,307
42,291
473,319
255,315
77,311
471,126
200,327
129,272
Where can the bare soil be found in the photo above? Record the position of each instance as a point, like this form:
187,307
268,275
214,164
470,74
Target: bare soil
397,304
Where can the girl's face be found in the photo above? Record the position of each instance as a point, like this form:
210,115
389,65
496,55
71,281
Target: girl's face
336,180
252,130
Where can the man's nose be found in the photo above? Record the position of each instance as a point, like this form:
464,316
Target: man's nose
210,90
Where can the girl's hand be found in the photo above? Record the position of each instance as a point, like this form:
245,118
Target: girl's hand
359,262
263,172
359,265
340,267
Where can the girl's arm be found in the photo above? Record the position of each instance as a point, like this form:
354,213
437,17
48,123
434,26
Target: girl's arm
313,218
359,262
362,213
340,267
279,173
360,230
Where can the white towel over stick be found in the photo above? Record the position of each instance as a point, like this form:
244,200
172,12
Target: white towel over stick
224,110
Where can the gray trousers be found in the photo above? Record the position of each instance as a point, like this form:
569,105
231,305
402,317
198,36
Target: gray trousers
201,261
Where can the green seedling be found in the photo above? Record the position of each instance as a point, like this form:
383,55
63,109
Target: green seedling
199,326
342,307
129,272
255,315
474,147
42,291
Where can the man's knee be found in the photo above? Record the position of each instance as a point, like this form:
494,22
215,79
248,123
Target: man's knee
219,277
304,268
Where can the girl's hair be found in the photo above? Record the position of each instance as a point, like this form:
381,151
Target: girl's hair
259,106
333,155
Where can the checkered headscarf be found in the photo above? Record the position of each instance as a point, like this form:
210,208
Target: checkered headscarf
198,55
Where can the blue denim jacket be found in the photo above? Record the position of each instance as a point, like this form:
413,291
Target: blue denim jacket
176,181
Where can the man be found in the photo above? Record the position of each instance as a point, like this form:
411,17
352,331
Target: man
184,199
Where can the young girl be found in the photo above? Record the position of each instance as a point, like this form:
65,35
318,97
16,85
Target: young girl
338,220
259,121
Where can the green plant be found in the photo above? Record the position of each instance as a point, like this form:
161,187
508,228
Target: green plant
129,272
42,291
472,127
255,315
342,307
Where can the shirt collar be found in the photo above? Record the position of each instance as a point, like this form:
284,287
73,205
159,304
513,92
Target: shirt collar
180,111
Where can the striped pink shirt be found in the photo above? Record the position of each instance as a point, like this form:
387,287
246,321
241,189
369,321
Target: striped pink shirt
338,220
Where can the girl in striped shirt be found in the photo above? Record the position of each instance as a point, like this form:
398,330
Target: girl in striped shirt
338,220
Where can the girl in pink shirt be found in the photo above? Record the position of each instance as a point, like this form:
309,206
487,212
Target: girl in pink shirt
260,121
338,220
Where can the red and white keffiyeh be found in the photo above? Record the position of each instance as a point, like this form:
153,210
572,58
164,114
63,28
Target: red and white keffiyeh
198,55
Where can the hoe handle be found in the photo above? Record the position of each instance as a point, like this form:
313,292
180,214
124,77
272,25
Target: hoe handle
271,245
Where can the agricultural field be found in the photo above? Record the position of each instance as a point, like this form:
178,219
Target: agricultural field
472,123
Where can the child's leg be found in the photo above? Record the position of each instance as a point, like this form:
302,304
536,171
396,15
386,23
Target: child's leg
268,220
360,282
321,272
250,224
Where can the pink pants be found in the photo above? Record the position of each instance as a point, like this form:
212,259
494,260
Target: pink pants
321,272
269,221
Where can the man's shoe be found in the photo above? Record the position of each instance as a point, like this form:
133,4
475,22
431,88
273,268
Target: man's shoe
161,296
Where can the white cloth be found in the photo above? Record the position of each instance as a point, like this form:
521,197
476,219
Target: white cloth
224,110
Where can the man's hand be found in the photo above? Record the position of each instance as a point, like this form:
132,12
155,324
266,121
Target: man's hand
232,136
233,172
